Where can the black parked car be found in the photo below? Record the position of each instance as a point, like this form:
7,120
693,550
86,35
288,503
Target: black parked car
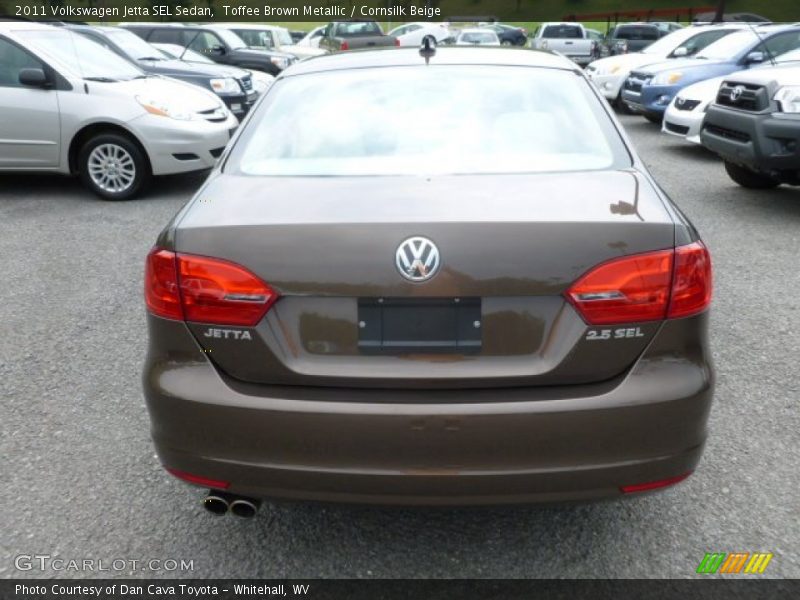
631,37
234,86
509,35
220,45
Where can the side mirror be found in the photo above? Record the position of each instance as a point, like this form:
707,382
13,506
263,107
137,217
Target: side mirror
33,78
754,58
679,52
217,50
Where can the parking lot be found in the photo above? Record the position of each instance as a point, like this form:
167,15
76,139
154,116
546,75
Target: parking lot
81,479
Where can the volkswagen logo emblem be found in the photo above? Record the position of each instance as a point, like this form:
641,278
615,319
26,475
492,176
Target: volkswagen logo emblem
737,92
417,258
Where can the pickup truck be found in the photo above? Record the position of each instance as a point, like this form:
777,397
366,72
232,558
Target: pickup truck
754,125
353,35
570,39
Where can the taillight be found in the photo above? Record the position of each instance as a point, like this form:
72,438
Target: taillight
161,285
625,290
344,46
653,485
692,281
396,41
645,287
205,290
217,484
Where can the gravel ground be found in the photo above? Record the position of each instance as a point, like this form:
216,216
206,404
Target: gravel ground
82,481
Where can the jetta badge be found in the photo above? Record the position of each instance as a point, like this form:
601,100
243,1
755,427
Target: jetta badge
737,92
417,258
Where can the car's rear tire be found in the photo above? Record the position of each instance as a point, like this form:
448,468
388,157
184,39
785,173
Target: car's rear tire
506,43
113,166
750,179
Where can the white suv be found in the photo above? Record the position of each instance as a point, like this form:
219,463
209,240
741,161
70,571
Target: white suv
71,106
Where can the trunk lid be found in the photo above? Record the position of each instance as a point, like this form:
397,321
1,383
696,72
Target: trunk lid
511,243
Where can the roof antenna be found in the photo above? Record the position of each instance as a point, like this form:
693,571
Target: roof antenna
757,33
427,49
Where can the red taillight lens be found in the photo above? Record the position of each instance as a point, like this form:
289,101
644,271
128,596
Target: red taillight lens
217,484
667,284
220,292
692,283
396,41
161,285
344,46
625,290
204,290
653,485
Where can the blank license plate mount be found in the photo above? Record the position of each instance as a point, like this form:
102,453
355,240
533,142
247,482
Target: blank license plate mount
419,325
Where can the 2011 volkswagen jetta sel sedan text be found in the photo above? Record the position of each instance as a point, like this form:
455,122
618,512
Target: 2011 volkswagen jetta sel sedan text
441,281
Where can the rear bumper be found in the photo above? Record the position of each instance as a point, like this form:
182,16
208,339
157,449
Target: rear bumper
442,447
763,142
581,59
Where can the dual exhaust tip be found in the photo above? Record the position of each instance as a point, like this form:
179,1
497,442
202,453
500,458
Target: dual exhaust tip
220,503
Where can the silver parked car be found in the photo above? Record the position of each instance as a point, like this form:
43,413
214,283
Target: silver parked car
70,106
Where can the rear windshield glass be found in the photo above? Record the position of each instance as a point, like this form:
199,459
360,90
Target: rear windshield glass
357,28
478,37
429,120
562,31
637,33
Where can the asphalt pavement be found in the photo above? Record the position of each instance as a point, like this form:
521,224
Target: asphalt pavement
80,479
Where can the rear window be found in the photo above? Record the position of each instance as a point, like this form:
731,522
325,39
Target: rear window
429,120
562,31
637,33
357,28
478,37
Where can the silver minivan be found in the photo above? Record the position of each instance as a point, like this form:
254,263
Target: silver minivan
68,105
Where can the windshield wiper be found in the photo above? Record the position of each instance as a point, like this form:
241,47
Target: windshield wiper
102,79
153,58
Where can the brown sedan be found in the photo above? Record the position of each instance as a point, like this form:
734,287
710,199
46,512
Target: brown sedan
439,279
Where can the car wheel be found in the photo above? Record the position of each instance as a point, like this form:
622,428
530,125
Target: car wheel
750,179
506,43
620,105
657,119
113,166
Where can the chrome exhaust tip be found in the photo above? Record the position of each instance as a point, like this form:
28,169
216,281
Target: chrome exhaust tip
216,503
245,507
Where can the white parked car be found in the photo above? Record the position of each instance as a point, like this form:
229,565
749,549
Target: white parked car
609,73
684,115
477,37
570,39
312,38
70,106
412,34
270,37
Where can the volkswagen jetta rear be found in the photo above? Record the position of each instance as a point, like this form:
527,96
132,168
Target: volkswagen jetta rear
432,281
